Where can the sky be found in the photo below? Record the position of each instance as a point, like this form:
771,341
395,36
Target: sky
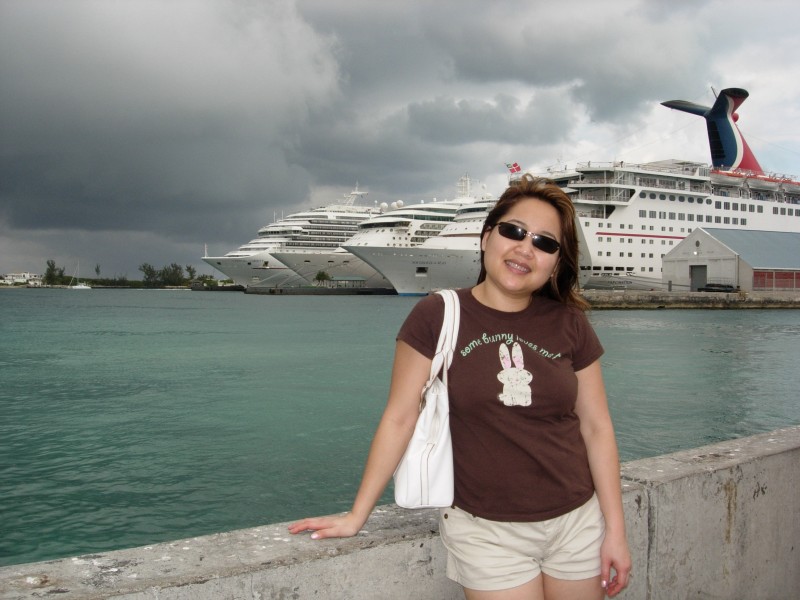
145,131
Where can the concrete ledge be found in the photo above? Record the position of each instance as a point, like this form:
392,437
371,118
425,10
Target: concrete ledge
721,521
607,299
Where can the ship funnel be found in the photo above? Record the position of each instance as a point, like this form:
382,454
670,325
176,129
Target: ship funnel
729,150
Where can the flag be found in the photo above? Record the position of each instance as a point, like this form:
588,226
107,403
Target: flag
514,168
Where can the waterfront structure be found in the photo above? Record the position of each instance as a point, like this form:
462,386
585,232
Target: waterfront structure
737,259
29,279
253,265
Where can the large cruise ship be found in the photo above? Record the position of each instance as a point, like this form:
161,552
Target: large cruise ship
396,225
254,265
381,237
629,215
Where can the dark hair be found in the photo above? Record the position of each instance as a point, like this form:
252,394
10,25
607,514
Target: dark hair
564,286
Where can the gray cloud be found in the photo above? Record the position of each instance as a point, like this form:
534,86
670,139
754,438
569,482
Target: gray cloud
136,130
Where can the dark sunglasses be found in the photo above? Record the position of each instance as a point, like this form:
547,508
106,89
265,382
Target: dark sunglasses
517,233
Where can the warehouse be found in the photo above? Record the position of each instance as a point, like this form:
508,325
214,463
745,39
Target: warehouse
742,259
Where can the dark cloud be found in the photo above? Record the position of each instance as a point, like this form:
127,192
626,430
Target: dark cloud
137,130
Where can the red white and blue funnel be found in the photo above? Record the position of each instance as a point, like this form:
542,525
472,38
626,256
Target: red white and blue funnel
729,150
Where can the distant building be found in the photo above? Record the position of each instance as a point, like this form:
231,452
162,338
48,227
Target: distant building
748,260
31,279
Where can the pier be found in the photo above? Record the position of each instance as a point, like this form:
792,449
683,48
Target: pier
719,521
625,299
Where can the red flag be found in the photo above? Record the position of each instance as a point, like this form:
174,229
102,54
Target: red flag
514,168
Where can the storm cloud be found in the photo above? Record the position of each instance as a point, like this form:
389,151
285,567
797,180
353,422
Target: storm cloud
137,131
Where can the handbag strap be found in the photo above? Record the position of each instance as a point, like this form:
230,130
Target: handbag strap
446,345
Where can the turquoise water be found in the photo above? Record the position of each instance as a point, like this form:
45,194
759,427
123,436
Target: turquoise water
130,417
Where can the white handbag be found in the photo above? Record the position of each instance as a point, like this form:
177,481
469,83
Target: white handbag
424,477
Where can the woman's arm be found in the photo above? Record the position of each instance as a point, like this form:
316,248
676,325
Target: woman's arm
598,435
409,374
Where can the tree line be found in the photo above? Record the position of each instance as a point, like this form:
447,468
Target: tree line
173,275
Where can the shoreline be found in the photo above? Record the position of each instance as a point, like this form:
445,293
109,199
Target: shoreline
621,300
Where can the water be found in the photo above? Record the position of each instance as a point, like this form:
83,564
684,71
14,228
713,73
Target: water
129,417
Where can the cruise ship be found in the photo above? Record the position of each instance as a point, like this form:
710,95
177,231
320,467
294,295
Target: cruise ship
629,215
253,265
397,227
447,260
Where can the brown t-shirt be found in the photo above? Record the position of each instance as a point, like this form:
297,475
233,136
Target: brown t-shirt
517,448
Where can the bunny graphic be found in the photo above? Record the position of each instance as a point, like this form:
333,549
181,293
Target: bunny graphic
515,380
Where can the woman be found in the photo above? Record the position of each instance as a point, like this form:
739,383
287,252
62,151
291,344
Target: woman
538,507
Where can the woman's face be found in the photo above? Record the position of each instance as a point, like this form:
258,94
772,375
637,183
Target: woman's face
517,267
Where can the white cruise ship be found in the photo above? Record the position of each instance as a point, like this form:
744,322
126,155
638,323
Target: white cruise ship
362,257
629,216
448,260
254,265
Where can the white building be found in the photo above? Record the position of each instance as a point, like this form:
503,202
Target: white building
748,260
31,279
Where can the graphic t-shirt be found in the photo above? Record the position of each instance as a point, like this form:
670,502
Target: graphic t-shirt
517,448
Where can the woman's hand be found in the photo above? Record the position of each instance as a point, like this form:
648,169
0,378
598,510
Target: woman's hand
614,553
345,525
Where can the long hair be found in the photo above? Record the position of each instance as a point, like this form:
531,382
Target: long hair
563,287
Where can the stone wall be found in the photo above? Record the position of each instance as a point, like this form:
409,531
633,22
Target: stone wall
721,521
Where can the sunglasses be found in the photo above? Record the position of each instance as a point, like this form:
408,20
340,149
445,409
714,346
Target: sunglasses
517,233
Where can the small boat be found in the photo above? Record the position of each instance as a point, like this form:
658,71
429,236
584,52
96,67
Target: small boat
78,285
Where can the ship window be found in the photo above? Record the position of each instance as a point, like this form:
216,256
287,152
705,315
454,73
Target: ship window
662,214
672,197
717,219
652,214
726,205
718,204
744,221
735,221
783,211
690,217
760,209
709,219
619,268
421,271
608,239
652,196
672,216
735,206
680,199
681,217
642,213
662,196
600,253
642,195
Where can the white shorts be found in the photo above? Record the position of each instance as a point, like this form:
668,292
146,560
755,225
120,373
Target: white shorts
493,555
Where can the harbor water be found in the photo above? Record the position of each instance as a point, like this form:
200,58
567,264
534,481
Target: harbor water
129,417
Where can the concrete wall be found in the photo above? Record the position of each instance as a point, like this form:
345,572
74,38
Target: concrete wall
721,521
